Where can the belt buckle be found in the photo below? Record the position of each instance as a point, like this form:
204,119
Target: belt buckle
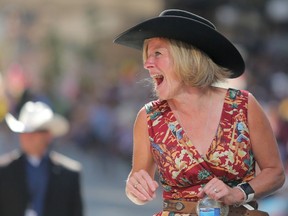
179,206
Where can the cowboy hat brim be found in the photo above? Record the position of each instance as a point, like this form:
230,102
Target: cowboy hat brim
57,125
191,31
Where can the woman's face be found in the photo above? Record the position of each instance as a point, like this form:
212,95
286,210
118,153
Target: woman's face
160,65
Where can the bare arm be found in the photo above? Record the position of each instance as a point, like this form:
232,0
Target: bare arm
266,152
140,186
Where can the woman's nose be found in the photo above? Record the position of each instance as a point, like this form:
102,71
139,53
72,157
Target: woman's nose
149,63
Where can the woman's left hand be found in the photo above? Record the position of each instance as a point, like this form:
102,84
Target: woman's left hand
218,190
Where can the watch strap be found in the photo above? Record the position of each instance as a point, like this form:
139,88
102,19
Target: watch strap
248,190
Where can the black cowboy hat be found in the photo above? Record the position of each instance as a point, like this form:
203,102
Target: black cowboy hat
190,28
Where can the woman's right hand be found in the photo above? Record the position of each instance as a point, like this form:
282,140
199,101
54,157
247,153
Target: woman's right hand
140,187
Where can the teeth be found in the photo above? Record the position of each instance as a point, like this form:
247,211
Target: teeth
157,76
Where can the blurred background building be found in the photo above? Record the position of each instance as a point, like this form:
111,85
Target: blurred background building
62,52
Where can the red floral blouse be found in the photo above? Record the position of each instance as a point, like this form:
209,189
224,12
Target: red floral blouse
182,170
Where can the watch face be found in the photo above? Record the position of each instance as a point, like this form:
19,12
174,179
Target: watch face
247,188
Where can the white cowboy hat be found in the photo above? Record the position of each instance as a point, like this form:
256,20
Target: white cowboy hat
37,116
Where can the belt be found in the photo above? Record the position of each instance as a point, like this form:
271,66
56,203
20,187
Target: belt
189,207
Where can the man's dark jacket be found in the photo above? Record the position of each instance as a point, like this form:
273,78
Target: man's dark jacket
63,196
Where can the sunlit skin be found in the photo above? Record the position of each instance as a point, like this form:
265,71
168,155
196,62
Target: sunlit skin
160,66
35,143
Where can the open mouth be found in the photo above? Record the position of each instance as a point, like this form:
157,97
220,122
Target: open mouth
158,79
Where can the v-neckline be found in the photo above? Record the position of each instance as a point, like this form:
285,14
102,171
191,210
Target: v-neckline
189,140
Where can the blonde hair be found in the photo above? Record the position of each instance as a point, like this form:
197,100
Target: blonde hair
194,67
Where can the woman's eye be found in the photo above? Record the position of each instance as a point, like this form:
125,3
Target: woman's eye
157,53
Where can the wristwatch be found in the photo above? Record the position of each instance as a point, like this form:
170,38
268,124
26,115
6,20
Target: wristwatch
248,190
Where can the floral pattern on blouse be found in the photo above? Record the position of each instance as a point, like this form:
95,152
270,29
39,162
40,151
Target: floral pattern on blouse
182,170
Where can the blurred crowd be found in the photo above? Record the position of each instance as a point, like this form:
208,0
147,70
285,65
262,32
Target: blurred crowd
101,102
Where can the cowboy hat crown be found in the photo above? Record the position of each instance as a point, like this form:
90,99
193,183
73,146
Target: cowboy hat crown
37,116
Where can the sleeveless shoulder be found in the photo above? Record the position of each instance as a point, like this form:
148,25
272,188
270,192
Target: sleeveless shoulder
234,94
236,100
156,105
157,108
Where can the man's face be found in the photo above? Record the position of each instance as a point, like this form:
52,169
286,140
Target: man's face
35,143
